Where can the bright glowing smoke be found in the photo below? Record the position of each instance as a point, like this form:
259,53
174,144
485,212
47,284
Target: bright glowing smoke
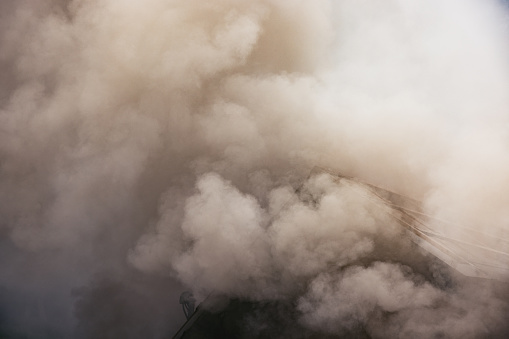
145,144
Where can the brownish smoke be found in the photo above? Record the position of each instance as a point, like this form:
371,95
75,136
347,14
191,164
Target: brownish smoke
145,143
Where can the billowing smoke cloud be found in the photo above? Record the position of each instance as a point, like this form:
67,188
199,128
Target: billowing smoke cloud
152,146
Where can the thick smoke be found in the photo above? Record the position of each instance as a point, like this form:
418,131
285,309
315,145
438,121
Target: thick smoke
151,146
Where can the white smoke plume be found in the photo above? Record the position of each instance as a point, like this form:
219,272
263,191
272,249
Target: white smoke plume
152,146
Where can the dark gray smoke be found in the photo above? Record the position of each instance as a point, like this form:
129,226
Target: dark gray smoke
147,147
